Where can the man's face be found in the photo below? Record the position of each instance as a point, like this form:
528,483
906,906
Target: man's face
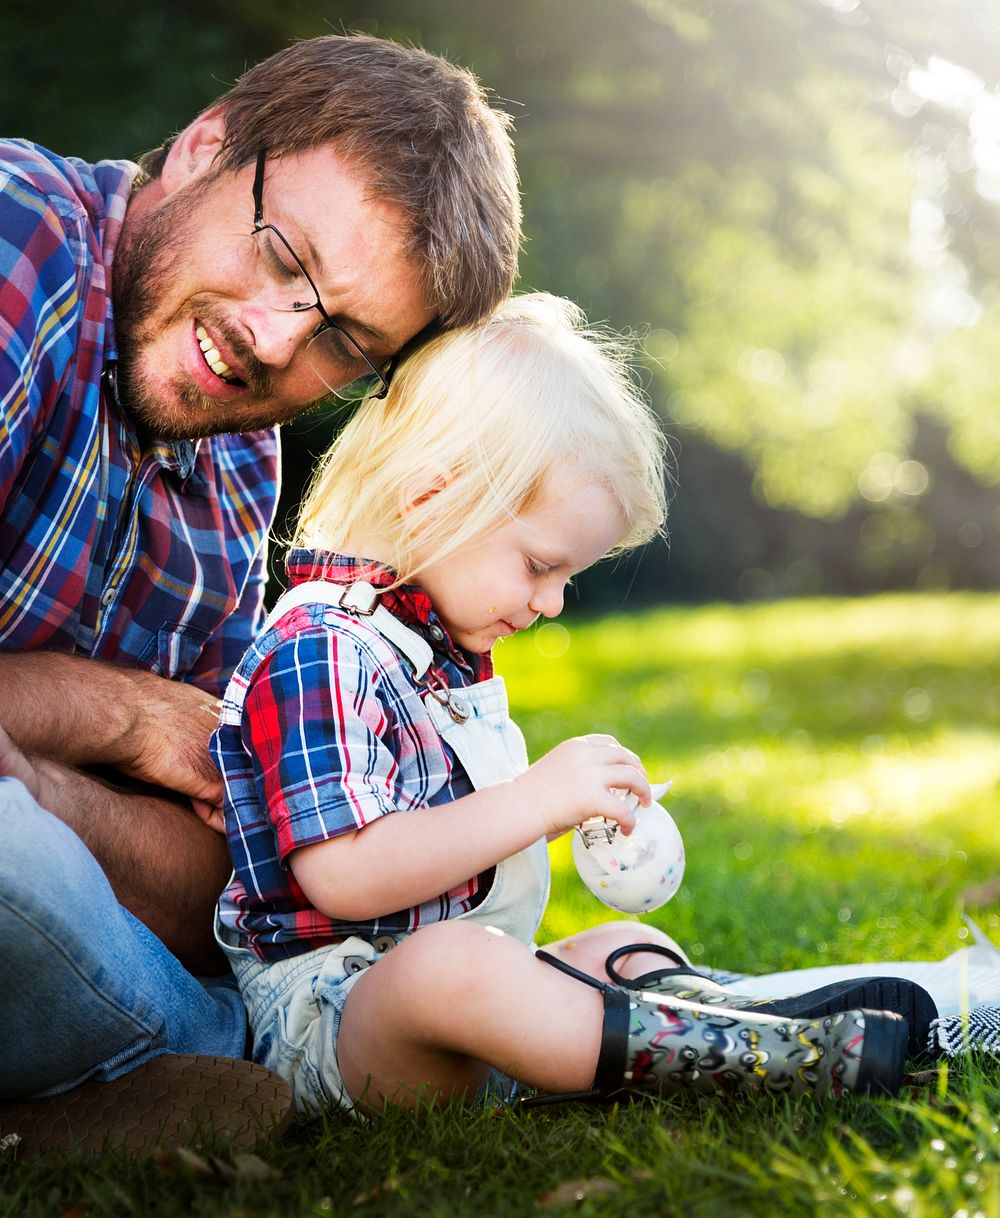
194,299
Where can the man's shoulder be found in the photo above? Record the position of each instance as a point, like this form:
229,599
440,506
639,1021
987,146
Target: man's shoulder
30,161
31,176
54,225
35,170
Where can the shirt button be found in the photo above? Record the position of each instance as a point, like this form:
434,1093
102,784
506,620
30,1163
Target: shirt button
108,596
436,633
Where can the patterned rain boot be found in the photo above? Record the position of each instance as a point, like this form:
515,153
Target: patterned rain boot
678,1046
905,998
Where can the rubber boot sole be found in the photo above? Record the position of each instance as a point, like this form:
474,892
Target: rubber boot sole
175,1099
894,994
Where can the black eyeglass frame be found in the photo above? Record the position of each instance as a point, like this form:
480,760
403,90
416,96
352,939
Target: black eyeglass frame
298,306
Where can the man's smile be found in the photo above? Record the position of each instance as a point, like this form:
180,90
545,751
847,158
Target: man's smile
212,355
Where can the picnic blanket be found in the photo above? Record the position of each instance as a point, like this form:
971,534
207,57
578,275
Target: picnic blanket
965,987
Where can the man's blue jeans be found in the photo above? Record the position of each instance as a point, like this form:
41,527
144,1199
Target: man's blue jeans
87,990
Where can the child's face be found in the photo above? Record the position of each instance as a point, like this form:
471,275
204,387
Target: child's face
503,582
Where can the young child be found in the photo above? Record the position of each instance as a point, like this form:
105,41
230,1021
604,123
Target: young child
388,835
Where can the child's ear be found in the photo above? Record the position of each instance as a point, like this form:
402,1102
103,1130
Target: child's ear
422,486
194,150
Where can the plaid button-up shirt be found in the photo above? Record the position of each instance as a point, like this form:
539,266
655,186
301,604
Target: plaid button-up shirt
323,732
148,555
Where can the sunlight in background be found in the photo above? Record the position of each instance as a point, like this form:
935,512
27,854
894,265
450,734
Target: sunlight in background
874,717
912,785
829,738
794,205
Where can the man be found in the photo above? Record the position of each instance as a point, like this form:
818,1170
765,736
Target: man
341,198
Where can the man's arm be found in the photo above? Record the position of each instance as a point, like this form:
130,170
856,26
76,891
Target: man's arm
150,738
81,712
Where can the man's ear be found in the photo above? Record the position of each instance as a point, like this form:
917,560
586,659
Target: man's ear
194,150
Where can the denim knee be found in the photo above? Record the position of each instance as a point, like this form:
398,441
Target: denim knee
42,862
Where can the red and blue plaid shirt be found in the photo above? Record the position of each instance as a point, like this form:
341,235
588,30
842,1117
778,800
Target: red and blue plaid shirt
331,735
147,555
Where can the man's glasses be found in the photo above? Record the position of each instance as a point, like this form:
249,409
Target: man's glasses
339,360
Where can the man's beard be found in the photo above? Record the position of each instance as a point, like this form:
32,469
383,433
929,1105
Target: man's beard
144,272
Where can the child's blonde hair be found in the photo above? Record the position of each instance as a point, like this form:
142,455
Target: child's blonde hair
471,427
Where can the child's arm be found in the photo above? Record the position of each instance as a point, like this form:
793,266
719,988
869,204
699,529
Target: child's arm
404,859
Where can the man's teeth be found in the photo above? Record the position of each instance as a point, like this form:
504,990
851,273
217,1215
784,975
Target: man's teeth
212,356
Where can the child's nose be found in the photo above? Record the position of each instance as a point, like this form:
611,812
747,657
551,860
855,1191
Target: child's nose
548,599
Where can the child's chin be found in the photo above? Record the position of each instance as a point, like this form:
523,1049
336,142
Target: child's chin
479,643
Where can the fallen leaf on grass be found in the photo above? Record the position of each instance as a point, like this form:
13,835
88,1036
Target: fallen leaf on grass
182,1161
391,1184
921,1078
76,1210
575,1191
249,1167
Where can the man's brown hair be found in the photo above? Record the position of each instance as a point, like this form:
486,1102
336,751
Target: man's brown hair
423,132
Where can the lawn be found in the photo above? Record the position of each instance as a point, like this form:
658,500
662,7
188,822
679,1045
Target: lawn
835,769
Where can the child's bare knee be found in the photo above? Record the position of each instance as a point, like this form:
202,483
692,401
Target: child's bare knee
458,941
446,957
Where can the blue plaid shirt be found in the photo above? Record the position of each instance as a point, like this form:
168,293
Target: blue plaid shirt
149,555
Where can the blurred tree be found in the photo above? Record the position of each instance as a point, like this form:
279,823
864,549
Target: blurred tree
792,202
111,82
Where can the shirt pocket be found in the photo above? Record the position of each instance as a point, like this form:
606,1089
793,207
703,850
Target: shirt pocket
174,650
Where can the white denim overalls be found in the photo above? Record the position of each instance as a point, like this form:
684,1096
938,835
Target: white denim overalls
295,1005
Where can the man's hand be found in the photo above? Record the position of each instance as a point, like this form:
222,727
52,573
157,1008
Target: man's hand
14,764
166,741
210,813
143,741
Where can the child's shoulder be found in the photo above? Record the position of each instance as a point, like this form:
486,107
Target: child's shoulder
316,629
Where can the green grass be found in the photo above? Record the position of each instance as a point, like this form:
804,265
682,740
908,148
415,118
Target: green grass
835,770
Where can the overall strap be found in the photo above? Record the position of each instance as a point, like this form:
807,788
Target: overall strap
360,600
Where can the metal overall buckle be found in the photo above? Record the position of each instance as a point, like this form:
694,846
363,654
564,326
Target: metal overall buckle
360,598
455,706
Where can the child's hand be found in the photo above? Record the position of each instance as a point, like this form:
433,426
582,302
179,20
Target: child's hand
574,781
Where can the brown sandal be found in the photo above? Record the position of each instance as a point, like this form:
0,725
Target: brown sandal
174,1099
